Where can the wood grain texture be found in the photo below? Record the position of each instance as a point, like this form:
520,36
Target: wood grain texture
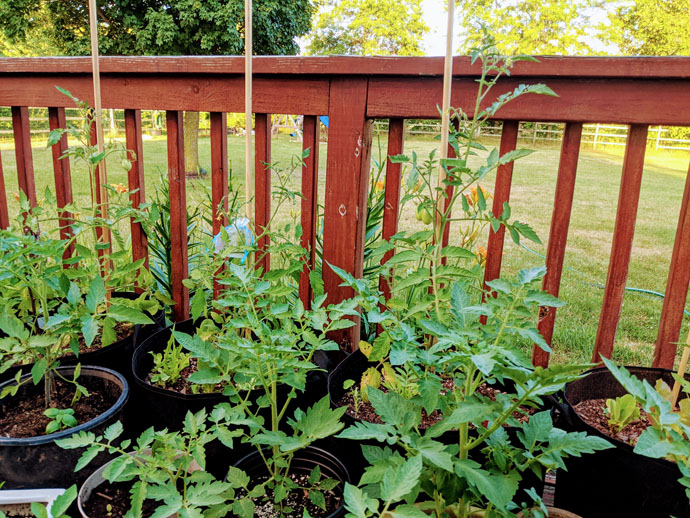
307,96
504,179
63,176
22,151
178,214
347,174
136,182
309,212
621,248
558,234
625,101
262,187
219,178
551,66
583,96
4,212
676,289
391,207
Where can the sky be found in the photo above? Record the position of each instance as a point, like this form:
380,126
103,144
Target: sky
436,17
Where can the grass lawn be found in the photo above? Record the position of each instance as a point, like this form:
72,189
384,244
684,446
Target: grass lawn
589,239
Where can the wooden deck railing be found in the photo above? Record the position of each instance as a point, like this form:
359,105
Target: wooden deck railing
353,91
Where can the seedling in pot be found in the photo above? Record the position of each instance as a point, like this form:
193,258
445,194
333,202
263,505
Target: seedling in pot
169,365
668,436
61,418
621,411
356,396
265,372
166,467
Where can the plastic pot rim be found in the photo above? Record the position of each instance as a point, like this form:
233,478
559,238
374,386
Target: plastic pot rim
44,439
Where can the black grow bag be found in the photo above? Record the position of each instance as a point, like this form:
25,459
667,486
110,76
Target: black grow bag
160,407
116,356
37,462
616,482
352,368
303,462
166,408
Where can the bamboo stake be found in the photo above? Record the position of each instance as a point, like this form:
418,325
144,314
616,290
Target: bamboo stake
248,105
445,116
681,370
97,106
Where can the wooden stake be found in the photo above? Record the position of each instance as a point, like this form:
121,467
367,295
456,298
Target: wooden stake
248,161
97,106
445,115
681,370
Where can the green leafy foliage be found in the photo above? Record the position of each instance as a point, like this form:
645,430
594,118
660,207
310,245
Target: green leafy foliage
356,27
58,508
55,301
668,435
448,348
178,27
60,418
622,411
167,467
168,365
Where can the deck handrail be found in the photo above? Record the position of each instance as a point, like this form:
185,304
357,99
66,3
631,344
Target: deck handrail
352,91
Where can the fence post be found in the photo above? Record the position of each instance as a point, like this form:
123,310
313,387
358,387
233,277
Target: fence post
347,181
596,135
658,137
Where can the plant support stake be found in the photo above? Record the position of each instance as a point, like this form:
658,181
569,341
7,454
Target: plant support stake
681,371
102,177
248,105
445,116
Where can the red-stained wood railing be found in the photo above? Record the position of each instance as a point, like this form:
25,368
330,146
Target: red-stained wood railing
62,175
310,189
4,212
262,185
136,182
22,150
352,92
178,213
558,235
219,177
391,202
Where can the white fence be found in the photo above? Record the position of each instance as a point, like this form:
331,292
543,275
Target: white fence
592,134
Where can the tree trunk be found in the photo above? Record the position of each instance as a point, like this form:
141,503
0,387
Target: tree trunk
191,143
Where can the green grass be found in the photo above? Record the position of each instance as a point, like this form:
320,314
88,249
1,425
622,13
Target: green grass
589,239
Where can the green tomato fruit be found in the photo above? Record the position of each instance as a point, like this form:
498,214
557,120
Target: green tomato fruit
126,164
426,216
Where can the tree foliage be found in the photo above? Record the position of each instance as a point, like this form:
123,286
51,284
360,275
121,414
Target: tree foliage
651,27
369,27
155,27
543,27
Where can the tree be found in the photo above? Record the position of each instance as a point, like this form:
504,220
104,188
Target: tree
543,27
157,27
369,27
651,27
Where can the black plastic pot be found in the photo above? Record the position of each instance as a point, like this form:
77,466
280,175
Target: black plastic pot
116,356
160,407
37,462
616,482
304,461
167,408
